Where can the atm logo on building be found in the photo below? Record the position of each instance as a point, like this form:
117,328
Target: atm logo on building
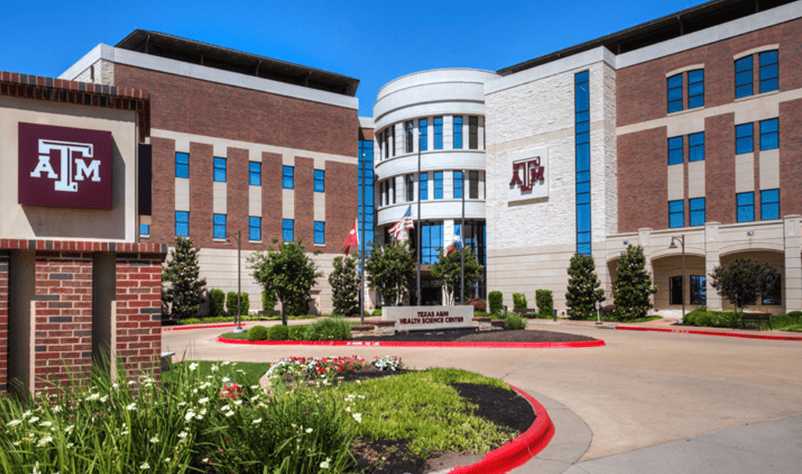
529,176
64,167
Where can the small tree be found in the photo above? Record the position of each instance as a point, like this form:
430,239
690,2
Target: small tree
545,302
344,283
391,269
217,302
288,273
633,285
519,303
584,290
447,270
495,300
183,287
742,281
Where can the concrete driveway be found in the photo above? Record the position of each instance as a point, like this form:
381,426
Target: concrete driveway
630,400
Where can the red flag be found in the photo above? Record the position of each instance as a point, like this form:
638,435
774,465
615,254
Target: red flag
352,240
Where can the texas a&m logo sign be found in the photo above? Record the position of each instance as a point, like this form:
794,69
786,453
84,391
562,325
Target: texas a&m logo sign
64,167
528,176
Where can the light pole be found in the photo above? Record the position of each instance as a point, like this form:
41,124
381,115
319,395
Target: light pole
238,317
417,227
462,245
681,240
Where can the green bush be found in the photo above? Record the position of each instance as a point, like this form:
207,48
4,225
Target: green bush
714,319
545,303
328,329
514,322
257,333
296,333
231,303
217,302
278,332
268,303
496,301
519,303
376,312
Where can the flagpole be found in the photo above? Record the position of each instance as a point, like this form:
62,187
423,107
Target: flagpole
417,226
462,246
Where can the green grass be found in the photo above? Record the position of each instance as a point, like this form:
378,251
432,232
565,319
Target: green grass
794,328
230,319
247,373
727,319
636,320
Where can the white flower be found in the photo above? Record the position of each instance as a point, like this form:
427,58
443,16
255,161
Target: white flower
46,424
154,440
33,420
238,402
44,441
229,414
182,435
26,414
215,368
144,466
104,398
193,366
189,416
203,401
309,430
131,407
182,404
225,363
256,421
13,423
225,408
357,417
205,460
325,464
115,385
168,459
69,429
57,409
131,382
93,397
226,380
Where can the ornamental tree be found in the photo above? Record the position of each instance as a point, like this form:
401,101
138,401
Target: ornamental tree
288,273
743,280
633,286
345,286
584,290
447,270
391,270
182,286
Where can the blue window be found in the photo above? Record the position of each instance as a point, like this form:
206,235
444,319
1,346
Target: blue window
696,146
181,165
459,186
769,204
676,150
458,132
698,289
320,233
219,170
288,177
320,181
365,196
438,133
144,230
254,173
438,185
423,186
254,228
697,211
582,160
219,227
745,206
769,134
674,91
423,134
743,77
181,223
769,71
676,214
744,138
431,242
696,88
287,230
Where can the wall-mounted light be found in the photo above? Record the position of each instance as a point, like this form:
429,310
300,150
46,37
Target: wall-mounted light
750,233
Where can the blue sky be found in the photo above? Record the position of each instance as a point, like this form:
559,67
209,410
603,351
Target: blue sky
372,41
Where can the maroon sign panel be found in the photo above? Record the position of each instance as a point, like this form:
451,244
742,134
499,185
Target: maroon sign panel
64,167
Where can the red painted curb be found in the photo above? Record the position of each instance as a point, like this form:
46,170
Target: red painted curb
507,345
519,450
704,332
189,327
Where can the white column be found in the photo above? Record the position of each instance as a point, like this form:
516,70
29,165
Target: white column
644,240
712,261
792,294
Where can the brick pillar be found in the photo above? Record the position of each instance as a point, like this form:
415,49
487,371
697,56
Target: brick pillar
712,260
793,263
304,201
137,325
3,321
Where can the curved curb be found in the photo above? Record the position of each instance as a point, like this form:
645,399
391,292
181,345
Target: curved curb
519,450
189,327
704,332
465,344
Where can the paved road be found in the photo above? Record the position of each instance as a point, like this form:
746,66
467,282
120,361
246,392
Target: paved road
641,397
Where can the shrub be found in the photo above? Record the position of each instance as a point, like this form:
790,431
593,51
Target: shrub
217,302
479,305
296,333
278,332
344,283
519,303
715,319
584,290
328,329
376,312
496,301
514,322
545,302
257,333
246,304
633,285
268,302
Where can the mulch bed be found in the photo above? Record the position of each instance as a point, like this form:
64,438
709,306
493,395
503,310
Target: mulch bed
479,336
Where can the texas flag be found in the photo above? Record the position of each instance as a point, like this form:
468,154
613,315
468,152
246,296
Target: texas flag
352,240
455,245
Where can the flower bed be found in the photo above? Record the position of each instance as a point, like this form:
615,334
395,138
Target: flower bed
328,370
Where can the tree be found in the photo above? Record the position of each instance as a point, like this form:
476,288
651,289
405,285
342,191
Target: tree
183,287
345,286
633,285
743,280
288,273
447,270
584,290
391,269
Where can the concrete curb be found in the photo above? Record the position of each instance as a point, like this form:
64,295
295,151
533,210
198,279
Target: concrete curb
705,332
465,344
189,327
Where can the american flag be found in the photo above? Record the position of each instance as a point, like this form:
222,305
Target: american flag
399,229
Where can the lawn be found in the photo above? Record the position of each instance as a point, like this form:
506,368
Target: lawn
247,373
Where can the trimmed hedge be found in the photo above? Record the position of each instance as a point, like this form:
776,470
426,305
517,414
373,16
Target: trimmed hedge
257,333
728,319
328,329
231,303
217,302
496,301
545,303
514,322
278,332
519,303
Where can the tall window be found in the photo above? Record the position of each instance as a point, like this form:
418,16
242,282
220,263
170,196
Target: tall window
769,71
696,146
254,173
774,295
473,132
219,227
676,214
409,187
745,206
582,161
219,170
744,138
287,230
457,132
675,295
392,190
438,133
423,134
181,223
438,185
320,181
431,242
365,196
696,207
769,204
769,134
254,228
394,149
408,136
423,186
320,233
144,230
696,88
181,165
674,93
459,187
676,150
386,143
473,184
698,289
288,177
744,77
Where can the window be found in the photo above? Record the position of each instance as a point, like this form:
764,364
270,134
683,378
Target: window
745,206
320,233
409,187
182,223
408,136
181,165
774,295
674,85
219,227
144,230
696,88
365,196
438,133
473,184
392,190
744,138
395,145
676,150
386,141
431,242
698,290
769,71
696,208
743,77
458,132
438,185
582,161
423,134
254,228
676,214
320,181
423,186
696,146
288,177
675,290
287,230
254,173
458,178
219,170
473,132
769,204
769,134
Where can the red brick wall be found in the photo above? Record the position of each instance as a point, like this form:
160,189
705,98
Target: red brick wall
791,157
341,203
271,198
720,168
162,229
200,194
305,201
237,197
3,321
642,179
138,295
